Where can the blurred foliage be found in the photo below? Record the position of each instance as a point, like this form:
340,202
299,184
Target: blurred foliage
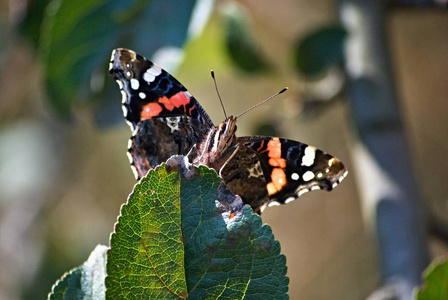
435,282
266,128
30,26
319,50
240,42
75,40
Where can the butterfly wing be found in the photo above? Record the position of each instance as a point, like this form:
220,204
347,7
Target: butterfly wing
286,168
149,91
165,118
157,139
243,174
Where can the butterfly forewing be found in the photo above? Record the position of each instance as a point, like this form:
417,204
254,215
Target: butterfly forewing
148,91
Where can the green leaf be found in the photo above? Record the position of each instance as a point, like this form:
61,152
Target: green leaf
76,40
30,25
84,282
182,234
228,252
436,282
319,50
147,255
240,42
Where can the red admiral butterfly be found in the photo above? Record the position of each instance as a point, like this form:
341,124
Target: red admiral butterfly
167,120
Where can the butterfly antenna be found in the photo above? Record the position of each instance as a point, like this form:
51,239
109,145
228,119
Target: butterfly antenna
262,102
219,96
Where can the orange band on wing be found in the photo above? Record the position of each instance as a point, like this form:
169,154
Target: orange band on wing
177,100
278,178
150,110
180,99
277,162
166,102
275,148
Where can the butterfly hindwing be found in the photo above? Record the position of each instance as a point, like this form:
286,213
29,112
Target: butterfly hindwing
292,168
157,139
243,175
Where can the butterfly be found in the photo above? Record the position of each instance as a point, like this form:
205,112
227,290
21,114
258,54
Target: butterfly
167,120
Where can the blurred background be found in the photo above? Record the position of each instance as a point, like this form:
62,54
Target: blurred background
367,83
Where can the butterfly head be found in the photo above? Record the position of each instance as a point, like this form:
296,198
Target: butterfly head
224,135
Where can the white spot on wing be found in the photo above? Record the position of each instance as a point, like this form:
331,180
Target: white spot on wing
263,207
129,144
301,192
125,110
120,84
131,159
315,188
148,77
308,158
142,95
134,84
154,70
343,176
308,175
290,199
273,203
124,97
134,170
295,176
130,125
